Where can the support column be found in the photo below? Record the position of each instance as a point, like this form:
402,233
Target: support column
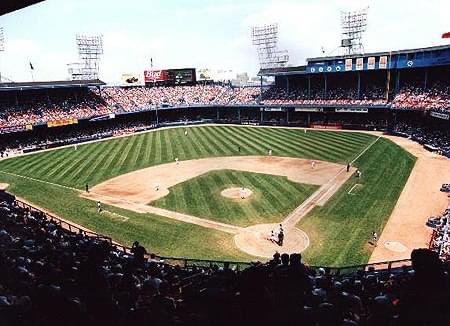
309,86
425,82
287,115
217,114
359,85
262,115
287,85
397,82
325,85
239,115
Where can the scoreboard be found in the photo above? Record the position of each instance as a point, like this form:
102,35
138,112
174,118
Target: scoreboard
180,76
171,76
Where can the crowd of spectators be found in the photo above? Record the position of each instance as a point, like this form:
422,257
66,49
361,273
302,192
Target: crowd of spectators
411,96
440,241
107,100
52,109
432,139
61,138
139,98
334,96
50,276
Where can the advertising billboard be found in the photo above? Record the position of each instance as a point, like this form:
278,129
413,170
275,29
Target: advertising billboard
383,62
131,79
154,75
348,64
371,63
359,63
204,74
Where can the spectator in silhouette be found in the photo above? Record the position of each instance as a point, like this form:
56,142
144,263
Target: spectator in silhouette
426,297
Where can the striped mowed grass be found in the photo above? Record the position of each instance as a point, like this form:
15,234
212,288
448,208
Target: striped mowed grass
96,162
273,198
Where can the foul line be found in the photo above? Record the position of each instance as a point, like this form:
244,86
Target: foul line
38,180
365,150
124,218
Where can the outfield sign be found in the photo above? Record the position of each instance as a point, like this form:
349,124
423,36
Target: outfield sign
272,109
308,109
440,115
62,122
351,110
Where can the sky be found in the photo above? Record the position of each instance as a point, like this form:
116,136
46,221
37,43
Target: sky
212,34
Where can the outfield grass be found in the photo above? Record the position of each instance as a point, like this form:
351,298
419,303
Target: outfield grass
338,230
97,162
273,197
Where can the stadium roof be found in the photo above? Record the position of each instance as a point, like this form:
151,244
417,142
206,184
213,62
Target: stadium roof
427,49
302,69
13,5
49,85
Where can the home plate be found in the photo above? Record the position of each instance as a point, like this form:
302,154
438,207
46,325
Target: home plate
395,246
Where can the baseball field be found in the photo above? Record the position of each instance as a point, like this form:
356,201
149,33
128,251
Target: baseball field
196,206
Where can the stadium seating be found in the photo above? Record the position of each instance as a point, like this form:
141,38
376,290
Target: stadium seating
50,276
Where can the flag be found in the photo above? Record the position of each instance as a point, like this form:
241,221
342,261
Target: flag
446,35
31,66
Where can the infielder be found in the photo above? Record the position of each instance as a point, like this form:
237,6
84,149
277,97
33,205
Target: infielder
99,207
176,160
313,164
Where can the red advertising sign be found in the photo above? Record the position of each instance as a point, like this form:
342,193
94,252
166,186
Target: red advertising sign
154,75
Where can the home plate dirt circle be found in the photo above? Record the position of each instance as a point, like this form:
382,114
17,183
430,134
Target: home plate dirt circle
395,246
253,240
236,193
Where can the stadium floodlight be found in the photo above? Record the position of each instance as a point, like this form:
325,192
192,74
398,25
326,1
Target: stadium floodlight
90,48
353,24
265,38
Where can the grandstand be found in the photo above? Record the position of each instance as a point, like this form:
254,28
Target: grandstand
116,164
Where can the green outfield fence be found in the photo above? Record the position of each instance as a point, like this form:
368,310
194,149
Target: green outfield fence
386,266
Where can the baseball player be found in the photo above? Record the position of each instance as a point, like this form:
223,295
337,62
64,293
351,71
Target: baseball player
374,238
270,152
313,164
185,132
176,160
99,207
87,188
348,167
242,193
157,187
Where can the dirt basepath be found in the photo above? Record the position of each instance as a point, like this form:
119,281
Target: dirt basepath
133,191
420,198
146,185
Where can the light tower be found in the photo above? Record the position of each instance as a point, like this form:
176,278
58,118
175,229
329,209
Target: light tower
265,38
353,24
90,48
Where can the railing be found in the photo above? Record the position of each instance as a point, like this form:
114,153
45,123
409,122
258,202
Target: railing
62,223
386,266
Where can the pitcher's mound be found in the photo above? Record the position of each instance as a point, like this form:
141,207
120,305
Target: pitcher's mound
254,240
236,193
